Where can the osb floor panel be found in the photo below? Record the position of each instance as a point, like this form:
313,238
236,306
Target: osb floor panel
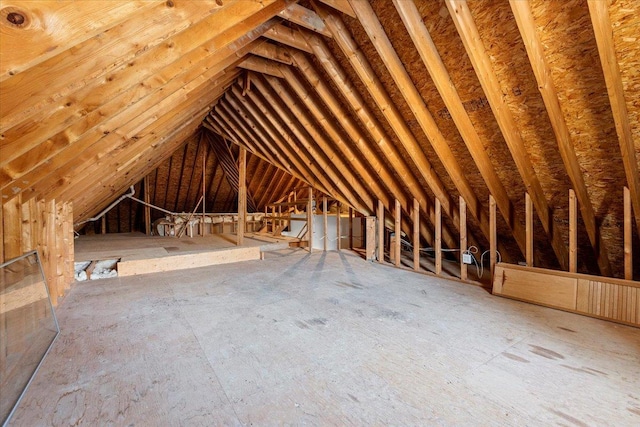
326,339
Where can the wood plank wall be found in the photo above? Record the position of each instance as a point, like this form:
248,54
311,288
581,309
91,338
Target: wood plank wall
45,226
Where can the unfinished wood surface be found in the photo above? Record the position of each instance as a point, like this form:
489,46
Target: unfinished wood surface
365,73
540,66
415,218
325,222
603,31
242,197
47,27
310,220
466,27
628,235
306,18
397,244
12,228
380,222
338,226
438,247
573,232
463,237
607,298
187,261
507,362
529,227
365,115
440,76
493,236
350,227
370,238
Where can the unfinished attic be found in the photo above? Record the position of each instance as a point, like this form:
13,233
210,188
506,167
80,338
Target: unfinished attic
308,212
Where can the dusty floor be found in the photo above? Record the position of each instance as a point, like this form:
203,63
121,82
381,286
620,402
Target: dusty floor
326,339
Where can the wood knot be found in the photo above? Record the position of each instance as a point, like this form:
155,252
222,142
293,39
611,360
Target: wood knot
170,3
15,18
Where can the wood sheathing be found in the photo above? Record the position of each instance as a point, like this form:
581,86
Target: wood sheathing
506,97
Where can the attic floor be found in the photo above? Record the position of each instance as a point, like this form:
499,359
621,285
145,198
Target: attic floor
326,338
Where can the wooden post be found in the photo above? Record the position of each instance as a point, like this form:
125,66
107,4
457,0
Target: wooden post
310,219
416,235
493,236
147,209
438,237
242,196
463,237
338,206
573,232
12,228
103,224
380,231
529,229
397,248
49,249
204,192
370,239
325,221
628,254
350,227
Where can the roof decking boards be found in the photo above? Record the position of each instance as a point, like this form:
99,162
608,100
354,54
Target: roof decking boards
365,101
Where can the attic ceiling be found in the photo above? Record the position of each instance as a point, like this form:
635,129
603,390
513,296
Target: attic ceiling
365,101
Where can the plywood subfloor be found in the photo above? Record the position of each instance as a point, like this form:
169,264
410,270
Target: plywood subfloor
140,246
326,339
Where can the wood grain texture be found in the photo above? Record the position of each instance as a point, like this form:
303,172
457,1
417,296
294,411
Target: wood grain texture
606,298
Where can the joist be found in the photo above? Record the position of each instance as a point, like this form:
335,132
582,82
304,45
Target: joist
603,30
466,27
535,51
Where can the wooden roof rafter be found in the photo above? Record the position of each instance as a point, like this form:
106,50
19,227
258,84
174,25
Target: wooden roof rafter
603,30
363,195
305,141
535,51
366,74
440,76
272,129
465,25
